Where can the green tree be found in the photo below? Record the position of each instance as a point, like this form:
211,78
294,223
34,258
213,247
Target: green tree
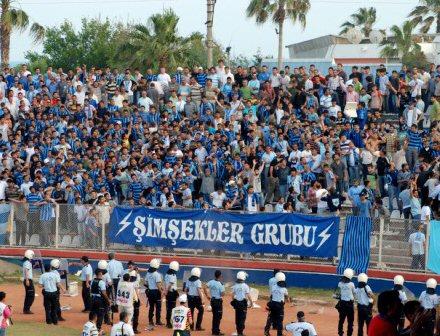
364,18
12,18
426,14
279,11
401,43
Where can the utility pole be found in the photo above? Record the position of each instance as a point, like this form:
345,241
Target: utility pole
210,5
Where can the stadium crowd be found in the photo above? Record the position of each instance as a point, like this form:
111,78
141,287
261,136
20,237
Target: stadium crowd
224,138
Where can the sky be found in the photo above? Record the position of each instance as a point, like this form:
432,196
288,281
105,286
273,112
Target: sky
231,26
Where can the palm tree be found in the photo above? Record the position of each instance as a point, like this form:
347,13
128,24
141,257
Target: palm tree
157,44
401,42
426,14
365,18
14,18
279,11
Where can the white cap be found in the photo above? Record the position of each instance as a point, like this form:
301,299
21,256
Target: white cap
280,276
431,283
133,273
174,265
362,278
348,273
155,263
102,264
196,272
399,280
179,68
183,298
55,263
29,254
242,275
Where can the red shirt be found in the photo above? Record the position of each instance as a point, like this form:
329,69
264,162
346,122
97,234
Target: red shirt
379,326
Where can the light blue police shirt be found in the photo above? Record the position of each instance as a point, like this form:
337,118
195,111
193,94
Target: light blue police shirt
27,265
171,282
87,272
428,301
115,269
240,290
278,293
216,288
362,296
152,279
347,291
193,287
272,282
49,281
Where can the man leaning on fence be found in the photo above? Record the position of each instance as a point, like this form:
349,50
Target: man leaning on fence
417,243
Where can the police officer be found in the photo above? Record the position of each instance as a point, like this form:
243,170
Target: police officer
153,280
345,304
135,280
99,298
51,283
171,293
103,266
276,304
240,299
86,279
272,282
115,271
28,281
364,298
429,301
194,289
216,291
55,264
398,286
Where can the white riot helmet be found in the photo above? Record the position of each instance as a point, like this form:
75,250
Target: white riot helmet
431,283
29,254
155,263
242,275
102,264
362,278
280,276
55,263
196,272
348,273
174,265
399,280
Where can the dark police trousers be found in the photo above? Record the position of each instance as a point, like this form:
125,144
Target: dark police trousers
217,314
29,295
98,307
346,311
155,301
170,304
195,302
275,318
50,306
136,308
85,293
240,315
58,305
113,297
364,317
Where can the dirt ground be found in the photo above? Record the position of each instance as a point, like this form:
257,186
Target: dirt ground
324,318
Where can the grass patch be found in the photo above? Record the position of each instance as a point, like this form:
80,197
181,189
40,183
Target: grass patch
300,293
40,329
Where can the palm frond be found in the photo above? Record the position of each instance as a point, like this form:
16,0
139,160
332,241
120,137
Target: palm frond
17,18
37,32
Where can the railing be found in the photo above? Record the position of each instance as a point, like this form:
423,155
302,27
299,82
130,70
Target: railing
85,227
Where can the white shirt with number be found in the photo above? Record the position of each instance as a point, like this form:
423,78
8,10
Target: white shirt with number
122,329
125,294
90,329
297,327
179,318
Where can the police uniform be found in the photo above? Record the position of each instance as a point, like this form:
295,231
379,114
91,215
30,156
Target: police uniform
276,309
346,307
98,304
50,282
86,273
195,301
216,290
172,294
30,289
429,302
109,290
154,295
403,298
115,271
365,307
136,301
240,290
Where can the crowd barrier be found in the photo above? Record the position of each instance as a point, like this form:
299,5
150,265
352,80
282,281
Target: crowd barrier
86,227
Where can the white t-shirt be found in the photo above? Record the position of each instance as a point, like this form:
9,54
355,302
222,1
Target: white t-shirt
89,329
297,327
425,213
217,199
122,329
145,102
3,186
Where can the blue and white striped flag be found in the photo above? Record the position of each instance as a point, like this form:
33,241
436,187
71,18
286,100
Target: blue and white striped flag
356,245
5,210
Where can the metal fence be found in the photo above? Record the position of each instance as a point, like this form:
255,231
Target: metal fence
85,227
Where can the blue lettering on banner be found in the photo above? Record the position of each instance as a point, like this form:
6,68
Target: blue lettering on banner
281,233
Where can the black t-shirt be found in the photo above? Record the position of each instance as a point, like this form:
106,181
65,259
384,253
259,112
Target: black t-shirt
382,166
